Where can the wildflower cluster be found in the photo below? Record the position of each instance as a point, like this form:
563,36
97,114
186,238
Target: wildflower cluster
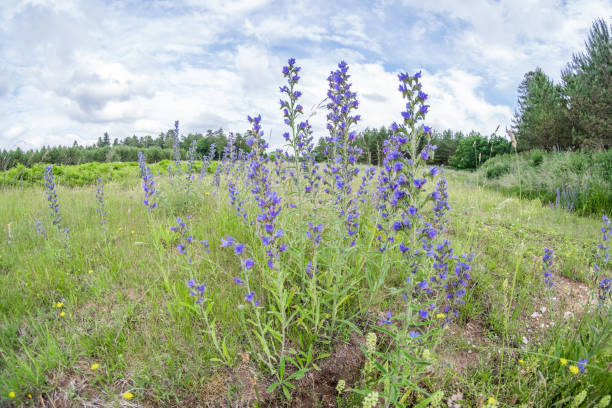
196,290
313,286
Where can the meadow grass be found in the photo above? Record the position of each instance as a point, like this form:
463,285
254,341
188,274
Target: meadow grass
126,322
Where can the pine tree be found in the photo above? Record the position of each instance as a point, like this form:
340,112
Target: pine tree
588,84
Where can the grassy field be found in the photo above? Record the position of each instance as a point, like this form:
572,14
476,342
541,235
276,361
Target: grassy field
105,317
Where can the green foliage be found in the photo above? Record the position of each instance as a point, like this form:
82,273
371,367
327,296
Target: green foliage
447,143
85,174
537,157
475,149
371,141
584,179
497,170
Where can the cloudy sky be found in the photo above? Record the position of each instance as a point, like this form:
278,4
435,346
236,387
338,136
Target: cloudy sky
71,69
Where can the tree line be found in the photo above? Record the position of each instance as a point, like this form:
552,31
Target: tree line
464,151
155,149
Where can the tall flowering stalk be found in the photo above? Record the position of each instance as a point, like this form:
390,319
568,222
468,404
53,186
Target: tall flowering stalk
602,260
148,183
269,206
52,198
299,137
344,154
190,167
100,199
341,279
176,149
436,278
267,200
208,159
229,155
441,206
170,174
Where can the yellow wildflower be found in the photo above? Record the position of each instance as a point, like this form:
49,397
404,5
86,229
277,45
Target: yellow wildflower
521,361
491,400
440,315
95,366
11,394
90,271
30,396
59,304
128,395
574,369
62,314
563,361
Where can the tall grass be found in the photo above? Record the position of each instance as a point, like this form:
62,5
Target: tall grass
583,179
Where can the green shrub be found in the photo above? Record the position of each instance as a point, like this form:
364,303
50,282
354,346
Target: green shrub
475,149
497,170
536,158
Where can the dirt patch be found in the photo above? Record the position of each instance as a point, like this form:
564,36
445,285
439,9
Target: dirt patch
243,388
318,388
461,358
565,302
71,389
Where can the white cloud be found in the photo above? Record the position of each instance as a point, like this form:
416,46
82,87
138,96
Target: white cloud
457,102
75,69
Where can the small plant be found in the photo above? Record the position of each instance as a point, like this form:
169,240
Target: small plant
536,158
52,198
148,183
176,150
602,261
100,199
40,228
190,167
547,264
